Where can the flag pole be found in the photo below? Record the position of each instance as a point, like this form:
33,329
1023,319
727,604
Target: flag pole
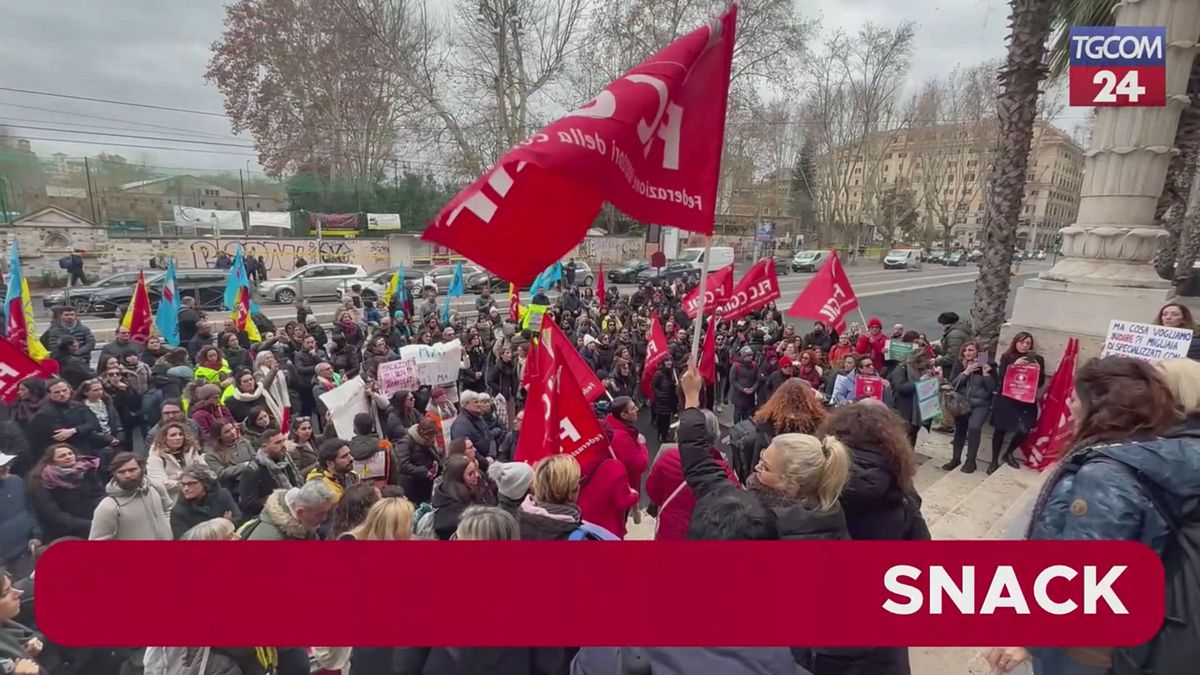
700,307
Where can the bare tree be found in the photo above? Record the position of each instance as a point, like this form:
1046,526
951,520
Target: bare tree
304,81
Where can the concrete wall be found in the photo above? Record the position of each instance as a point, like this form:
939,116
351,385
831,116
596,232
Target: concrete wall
278,254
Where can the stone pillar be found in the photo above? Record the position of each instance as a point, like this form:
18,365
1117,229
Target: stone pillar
1106,269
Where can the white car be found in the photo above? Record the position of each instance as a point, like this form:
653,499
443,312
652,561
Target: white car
311,281
374,285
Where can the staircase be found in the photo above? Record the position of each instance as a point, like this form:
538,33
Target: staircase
956,505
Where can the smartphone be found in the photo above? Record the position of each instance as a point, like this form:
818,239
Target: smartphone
983,359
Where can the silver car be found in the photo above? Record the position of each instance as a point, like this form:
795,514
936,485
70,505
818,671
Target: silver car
311,281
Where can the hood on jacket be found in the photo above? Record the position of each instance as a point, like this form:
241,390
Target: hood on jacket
1171,463
363,446
277,513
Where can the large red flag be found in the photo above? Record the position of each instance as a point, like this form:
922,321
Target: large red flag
718,287
16,365
558,419
137,318
1055,426
708,354
650,144
600,285
757,288
589,383
656,351
828,296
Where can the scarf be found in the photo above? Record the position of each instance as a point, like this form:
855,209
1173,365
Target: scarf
278,470
23,411
567,513
769,497
69,477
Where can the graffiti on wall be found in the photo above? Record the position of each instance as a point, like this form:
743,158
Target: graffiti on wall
610,250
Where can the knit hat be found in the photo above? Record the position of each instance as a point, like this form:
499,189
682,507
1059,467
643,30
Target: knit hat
785,362
512,478
947,318
874,322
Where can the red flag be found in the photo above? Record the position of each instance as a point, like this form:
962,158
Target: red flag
16,365
589,383
600,286
558,419
756,289
708,354
656,351
1055,426
718,287
650,144
137,318
514,303
828,296
285,419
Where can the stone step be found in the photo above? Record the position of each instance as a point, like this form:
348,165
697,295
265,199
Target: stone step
985,505
947,492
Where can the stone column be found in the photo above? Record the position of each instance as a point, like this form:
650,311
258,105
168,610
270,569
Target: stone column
1106,269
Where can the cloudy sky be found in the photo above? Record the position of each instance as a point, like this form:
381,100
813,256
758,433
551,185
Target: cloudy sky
155,52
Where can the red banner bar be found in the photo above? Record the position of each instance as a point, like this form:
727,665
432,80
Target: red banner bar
600,593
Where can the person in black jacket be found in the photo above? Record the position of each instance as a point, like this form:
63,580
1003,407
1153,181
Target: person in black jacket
200,499
62,420
272,469
402,415
418,460
665,398
189,319
64,490
454,494
903,379
798,476
743,384
1010,416
71,368
471,424
974,383
502,376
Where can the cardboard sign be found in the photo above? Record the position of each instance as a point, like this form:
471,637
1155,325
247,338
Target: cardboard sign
927,398
345,401
421,364
868,386
1146,342
899,351
1020,382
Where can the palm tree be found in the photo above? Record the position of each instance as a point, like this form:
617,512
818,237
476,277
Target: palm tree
1172,205
1016,109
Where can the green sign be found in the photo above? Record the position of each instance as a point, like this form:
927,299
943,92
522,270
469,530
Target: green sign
898,351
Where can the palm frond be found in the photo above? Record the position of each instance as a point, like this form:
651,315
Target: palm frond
1075,13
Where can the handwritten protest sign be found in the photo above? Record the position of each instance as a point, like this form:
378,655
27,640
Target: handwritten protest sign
1020,382
421,364
1146,342
927,398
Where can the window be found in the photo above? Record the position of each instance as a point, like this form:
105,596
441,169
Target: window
902,154
211,193
858,169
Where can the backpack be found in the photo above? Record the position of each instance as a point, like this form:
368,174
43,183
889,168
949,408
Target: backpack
1176,646
589,532
65,262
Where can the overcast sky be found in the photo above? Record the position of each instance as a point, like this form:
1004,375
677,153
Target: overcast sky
156,51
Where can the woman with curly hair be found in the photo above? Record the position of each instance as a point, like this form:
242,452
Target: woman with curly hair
351,510
794,408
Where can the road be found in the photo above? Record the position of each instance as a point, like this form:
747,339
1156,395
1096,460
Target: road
913,298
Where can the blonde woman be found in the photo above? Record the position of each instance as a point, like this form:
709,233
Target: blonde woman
1183,379
172,451
799,477
551,510
389,519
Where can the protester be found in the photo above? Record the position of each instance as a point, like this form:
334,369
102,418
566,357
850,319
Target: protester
969,400
300,445
902,381
351,510
172,451
1134,485
335,467
1010,416
134,507
793,408
201,499
418,460
20,532
389,519
292,514
955,332
488,523
664,403
667,490
270,470
513,480
61,420
798,476
873,343
551,511
1175,315
454,494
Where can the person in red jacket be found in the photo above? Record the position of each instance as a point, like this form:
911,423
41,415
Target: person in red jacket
873,342
605,496
669,492
627,444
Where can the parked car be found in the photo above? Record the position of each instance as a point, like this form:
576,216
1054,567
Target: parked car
937,257
207,286
720,256
374,285
974,255
627,272
1040,255
583,274
311,281
955,259
783,264
808,261
675,269
902,259
79,297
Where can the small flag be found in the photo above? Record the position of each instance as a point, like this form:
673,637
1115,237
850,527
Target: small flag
393,287
18,310
243,320
514,303
828,296
137,316
167,315
656,351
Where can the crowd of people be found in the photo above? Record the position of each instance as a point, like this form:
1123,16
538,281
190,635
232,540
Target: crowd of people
221,438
